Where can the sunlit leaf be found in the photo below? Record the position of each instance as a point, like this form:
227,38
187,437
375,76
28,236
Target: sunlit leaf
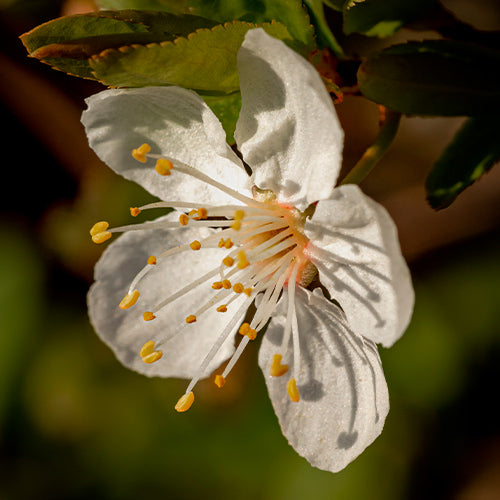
289,12
205,61
67,42
473,151
382,18
436,77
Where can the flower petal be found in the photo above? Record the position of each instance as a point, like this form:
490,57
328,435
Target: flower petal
343,394
176,123
125,331
288,130
356,249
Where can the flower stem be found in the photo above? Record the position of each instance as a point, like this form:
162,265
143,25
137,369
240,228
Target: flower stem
389,123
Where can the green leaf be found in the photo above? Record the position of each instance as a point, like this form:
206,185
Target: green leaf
382,18
67,43
291,13
473,151
335,4
227,109
325,36
205,61
437,78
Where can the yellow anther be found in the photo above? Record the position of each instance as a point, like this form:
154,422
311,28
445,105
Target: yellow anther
292,390
185,402
183,219
217,285
99,233
219,381
191,318
246,330
101,237
239,214
134,211
221,243
238,288
242,260
148,353
247,291
148,316
147,348
228,243
222,308
140,153
228,261
192,212
129,300
236,225
195,245
201,213
226,284
277,369
99,227
163,167
151,260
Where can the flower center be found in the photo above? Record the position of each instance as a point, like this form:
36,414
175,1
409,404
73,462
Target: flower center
262,244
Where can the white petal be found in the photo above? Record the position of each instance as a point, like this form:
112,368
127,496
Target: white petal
176,123
356,248
125,331
288,130
343,394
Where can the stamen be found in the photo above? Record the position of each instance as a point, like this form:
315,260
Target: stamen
140,153
277,369
246,330
163,167
228,261
148,316
152,260
195,245
238,288
185,402
241,260
134,211
292,390
148,353
183,219
191,319
129,300
219,381
222,308
99,232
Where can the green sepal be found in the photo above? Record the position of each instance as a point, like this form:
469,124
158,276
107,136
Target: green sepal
435,78
472,152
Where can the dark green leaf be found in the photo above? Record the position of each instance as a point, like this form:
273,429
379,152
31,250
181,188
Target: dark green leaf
67,43
382,18
437,77
473,151
227,109
205,61
291,13
325,37
335,4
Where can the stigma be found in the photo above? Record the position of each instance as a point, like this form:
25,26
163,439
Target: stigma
263,257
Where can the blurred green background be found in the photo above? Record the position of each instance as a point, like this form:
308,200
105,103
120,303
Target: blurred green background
75,424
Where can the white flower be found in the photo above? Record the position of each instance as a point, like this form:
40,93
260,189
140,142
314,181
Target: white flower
252,243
